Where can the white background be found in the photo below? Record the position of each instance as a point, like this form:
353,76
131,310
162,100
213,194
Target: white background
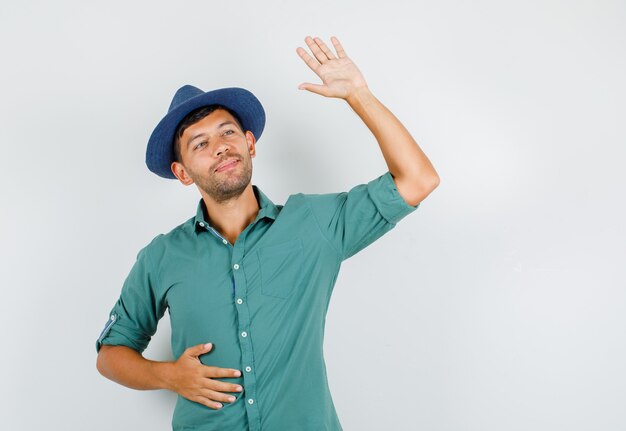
498,305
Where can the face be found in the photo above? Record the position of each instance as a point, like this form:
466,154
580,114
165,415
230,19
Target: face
209,143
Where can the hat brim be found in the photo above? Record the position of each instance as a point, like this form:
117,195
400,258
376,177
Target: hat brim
160,150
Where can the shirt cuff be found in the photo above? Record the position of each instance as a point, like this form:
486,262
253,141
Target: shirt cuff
115,334
388,200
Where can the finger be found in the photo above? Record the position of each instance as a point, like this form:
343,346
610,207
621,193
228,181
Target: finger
218,396
310,61
207,402
213,372
219,386
198,350
324,48
314,88
340,51
315,49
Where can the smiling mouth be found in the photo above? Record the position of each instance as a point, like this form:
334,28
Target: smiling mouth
227,166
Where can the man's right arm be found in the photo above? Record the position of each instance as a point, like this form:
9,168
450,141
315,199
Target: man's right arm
186,376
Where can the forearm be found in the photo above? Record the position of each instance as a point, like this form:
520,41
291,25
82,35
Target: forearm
411,170
129,368
404,158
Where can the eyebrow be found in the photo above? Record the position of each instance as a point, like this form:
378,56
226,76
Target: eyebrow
193,138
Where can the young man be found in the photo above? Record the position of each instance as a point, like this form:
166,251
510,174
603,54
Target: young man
247,282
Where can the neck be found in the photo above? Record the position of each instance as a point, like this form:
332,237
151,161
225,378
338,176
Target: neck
231,217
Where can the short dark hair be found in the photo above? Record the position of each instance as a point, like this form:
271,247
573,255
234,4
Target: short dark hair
192,118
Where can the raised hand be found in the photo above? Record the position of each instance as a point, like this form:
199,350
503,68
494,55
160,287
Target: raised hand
340,76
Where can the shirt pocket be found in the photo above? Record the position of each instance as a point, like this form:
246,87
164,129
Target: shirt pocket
279,264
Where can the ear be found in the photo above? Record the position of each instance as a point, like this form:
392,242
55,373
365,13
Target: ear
251,141
179,171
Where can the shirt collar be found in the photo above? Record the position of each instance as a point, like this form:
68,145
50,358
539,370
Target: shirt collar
267,208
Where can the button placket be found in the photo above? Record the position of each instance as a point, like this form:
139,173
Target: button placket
215,233
245,337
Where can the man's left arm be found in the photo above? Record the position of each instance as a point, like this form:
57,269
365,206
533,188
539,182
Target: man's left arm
414,175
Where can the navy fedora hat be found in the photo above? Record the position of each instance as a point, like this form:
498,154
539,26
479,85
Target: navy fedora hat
160,150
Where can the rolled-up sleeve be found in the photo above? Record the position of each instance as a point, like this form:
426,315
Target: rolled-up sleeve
352,220
134,317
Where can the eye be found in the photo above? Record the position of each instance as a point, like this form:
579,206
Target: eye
201,144
228,131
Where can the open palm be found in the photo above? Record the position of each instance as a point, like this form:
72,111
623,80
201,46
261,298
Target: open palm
339,74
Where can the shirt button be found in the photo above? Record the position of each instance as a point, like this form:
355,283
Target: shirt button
236,266
244,334
248,369
201,224
250,401
224,241
239,301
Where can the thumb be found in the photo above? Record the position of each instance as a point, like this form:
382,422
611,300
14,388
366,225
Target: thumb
200,349
315,88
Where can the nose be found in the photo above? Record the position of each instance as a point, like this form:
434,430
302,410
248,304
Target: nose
221,148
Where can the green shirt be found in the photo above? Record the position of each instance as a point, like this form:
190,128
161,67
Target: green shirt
262,301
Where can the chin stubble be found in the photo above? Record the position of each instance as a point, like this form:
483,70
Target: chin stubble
228,188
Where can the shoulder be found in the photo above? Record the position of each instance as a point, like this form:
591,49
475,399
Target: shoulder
177,236
308,200
382,184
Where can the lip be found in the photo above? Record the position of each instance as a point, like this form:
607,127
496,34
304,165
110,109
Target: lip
227,165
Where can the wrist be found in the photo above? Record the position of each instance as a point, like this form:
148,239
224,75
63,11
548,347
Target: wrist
164,375
359,95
